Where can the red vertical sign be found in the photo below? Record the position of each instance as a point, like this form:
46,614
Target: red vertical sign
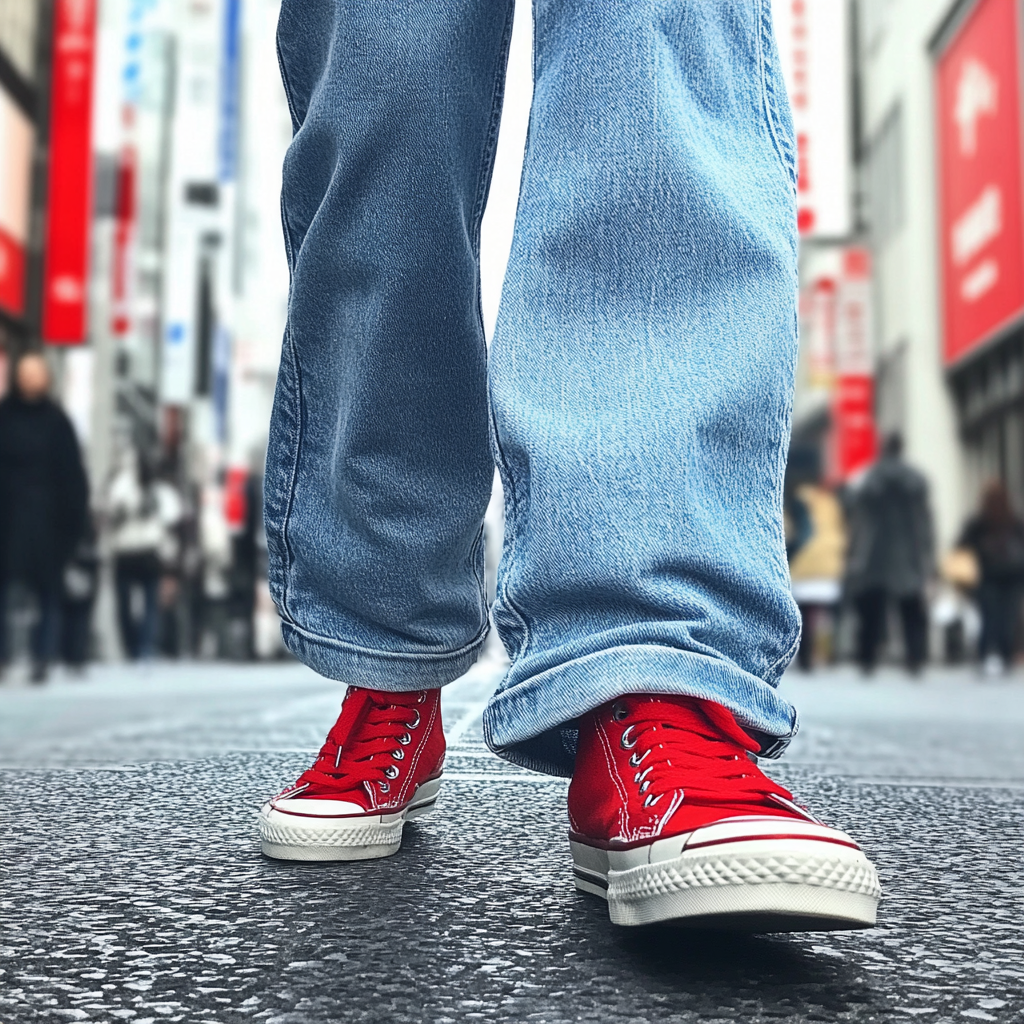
17,139
982,222
69,192
854,441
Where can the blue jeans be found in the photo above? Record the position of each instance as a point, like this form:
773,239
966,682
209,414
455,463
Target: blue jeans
638,392
44,635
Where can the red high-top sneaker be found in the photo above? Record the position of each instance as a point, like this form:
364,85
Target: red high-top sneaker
672,821
379,767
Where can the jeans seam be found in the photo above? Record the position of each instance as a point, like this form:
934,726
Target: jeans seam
284,75
482,188
330,642
493,129
487,162
288,556
768,98
289,247
510,537
782,458
481,577
499,456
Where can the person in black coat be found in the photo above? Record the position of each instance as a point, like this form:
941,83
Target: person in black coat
996,536
43,502
891,555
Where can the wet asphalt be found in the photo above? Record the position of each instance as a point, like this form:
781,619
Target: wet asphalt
133,888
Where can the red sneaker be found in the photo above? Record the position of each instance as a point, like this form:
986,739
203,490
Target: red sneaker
672,821
379,766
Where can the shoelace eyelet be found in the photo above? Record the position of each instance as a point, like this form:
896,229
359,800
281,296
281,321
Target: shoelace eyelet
398,755
635,762
415,722
652,800
624,740
619,711
405,739
421,698
391,771
385,787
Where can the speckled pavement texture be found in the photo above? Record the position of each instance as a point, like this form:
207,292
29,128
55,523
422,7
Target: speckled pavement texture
133,888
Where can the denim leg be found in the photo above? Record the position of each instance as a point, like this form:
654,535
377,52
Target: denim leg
148,627
379,466
124,584
46,631
642,372
5,623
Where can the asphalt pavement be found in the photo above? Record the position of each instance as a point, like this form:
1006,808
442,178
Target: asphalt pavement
134,890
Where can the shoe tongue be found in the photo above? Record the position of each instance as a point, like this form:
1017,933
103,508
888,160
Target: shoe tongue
318,791
720,718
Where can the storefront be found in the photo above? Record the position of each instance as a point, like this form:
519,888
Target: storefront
981,233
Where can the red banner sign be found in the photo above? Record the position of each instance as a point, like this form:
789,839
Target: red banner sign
69,192
982,223
17,138
12,274
854,440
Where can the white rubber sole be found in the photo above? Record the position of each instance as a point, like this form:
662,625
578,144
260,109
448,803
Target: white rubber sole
355,837
763,886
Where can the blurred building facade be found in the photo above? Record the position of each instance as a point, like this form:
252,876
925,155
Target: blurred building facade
23,74
190,282
912,307
942,139
141,144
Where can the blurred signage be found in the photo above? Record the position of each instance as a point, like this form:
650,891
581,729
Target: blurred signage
69,191
818,331
854,441
982,230
203,150
124,237
229,91
813,38
17,138
236,498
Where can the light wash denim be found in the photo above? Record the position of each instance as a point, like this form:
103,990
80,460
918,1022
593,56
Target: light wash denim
638,393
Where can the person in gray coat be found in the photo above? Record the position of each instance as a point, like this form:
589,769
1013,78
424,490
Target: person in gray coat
891,555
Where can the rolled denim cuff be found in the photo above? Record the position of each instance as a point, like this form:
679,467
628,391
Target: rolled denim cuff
531,724
381,670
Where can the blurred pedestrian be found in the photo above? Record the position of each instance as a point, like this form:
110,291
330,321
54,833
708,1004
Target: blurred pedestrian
996,536
142,511
815,544
171,632
891,555
43,504
78,596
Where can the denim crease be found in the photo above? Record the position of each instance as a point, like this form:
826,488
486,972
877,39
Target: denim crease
638,393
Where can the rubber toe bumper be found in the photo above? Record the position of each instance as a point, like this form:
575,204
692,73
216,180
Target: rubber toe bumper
744,875
329,830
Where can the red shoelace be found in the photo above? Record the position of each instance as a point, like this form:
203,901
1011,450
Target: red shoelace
366,743
695,746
